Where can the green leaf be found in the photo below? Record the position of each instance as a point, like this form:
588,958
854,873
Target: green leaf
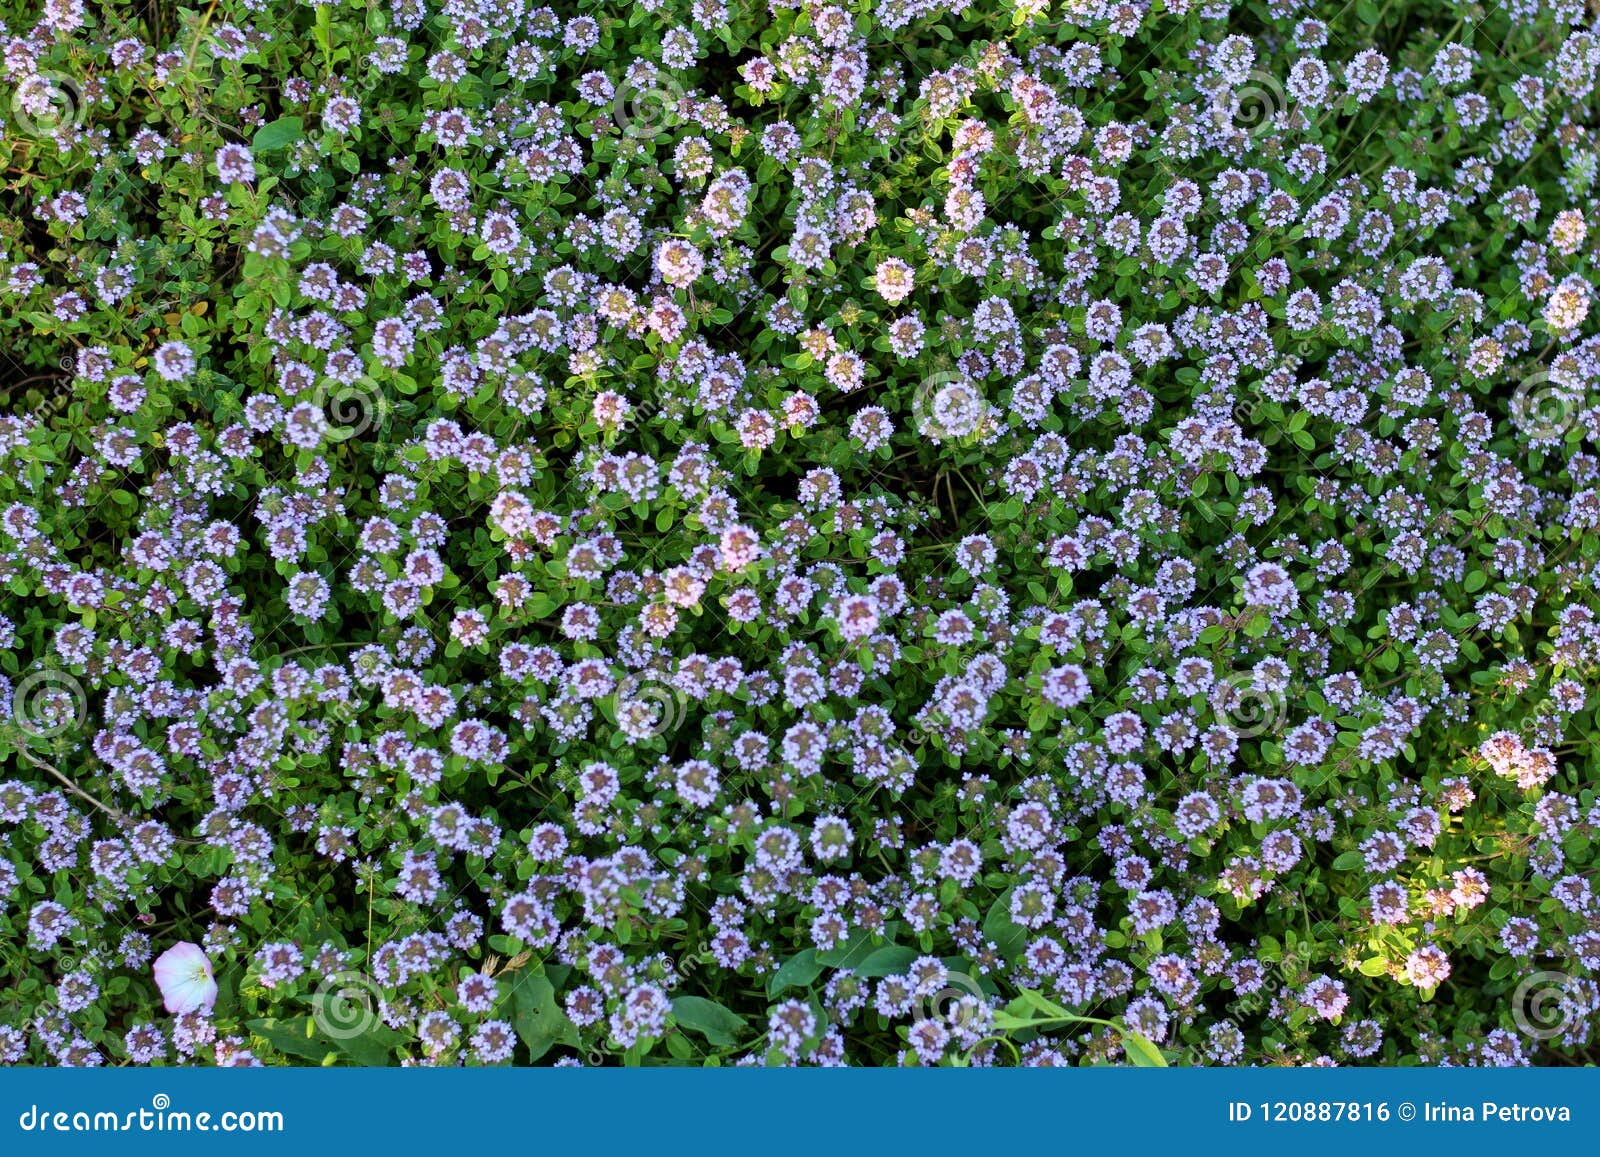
796,972
280,134
718,1024
301,1036
849,954
887,961
536,1014
296,1036
1008,937
1142,1052
1049,1007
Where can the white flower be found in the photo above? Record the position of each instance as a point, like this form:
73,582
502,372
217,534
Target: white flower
183,973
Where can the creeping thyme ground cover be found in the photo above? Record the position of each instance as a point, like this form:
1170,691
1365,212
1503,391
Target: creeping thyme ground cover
758,532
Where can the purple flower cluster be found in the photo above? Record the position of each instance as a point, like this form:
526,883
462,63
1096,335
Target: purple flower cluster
801,534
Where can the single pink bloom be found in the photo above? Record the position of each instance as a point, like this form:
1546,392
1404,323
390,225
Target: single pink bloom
183,973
